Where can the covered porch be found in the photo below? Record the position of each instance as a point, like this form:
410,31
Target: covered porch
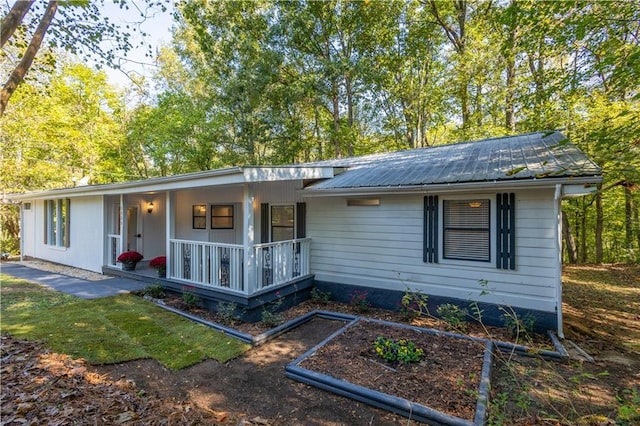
232,236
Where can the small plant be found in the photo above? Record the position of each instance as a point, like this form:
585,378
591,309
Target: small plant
319,296
413,304
270,315
629,410
129,259
453,315
360,301
190,300
403,351
516,325
227,312
155,291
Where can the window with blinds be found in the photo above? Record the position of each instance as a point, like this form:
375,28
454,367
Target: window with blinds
466,230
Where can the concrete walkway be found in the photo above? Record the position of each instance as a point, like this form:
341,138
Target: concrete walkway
84,289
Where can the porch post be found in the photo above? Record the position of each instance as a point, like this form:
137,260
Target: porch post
249,273
169,231
123,225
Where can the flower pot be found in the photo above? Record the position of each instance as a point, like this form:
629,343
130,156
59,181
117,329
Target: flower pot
128,266
162,273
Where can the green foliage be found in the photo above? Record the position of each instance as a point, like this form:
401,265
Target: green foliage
413,304
191,300
270,315
155,291
453,315
319,296
227,311
360,302
109,330
517,325
403,351
629,409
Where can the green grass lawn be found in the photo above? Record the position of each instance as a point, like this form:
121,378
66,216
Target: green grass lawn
109,330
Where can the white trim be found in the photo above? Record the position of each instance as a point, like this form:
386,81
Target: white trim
449,187
557,211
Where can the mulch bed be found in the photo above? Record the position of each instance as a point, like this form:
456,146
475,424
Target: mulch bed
45,388
446,379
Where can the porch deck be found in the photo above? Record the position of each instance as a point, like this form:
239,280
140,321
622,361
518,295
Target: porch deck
227,268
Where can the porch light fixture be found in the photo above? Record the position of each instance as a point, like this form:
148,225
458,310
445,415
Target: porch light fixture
475,204
149,207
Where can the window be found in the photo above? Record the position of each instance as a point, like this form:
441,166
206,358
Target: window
282,223
199,216
466,230
222,217
56,222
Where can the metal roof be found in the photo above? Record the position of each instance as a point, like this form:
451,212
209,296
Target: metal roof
530,156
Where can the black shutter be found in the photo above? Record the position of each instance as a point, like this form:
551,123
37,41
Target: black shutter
264,223
506,231
430,249
301,220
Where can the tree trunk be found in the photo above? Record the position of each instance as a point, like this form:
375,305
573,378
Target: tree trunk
628,221
599,225
13,19
583,233
569,241
17,76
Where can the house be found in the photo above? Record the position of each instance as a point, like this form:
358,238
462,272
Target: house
476,222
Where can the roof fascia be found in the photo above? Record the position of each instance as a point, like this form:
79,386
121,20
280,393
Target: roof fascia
584,182
272,174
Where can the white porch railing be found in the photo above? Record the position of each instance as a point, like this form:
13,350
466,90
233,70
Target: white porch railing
222,265
208,264
282,261
114,249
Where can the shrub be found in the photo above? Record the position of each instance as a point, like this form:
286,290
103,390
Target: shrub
190,300
319,296
413,304
518,325
270,315
360,301
159,263
453,315
404,351
155,291
227,312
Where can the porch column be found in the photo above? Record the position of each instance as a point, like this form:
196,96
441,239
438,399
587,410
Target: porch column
249,273
170,230
123,225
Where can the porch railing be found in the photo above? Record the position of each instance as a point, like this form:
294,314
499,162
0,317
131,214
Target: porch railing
208,264
114,249
281,261
222,265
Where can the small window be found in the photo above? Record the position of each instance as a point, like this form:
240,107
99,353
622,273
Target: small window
200,216
27,206
56,222
466,230
363,202
221,217
282,223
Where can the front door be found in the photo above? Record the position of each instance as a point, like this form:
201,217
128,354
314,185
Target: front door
133,235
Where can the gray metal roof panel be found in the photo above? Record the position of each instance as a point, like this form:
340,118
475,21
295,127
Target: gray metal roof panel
530,156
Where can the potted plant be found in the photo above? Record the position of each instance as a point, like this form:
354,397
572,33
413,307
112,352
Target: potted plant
129,259
160,265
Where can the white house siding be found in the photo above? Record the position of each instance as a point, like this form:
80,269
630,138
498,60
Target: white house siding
382,247
218,195
86,235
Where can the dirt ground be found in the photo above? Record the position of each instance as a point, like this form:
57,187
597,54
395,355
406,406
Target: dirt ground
253,390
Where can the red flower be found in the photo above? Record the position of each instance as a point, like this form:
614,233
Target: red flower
158,262
130,257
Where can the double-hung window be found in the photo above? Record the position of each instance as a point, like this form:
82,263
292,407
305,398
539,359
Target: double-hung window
462,229
466,230
56,222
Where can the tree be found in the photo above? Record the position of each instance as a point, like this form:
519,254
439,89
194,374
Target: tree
76,26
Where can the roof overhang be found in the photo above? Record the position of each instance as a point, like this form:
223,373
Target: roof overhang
576,186
230,176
